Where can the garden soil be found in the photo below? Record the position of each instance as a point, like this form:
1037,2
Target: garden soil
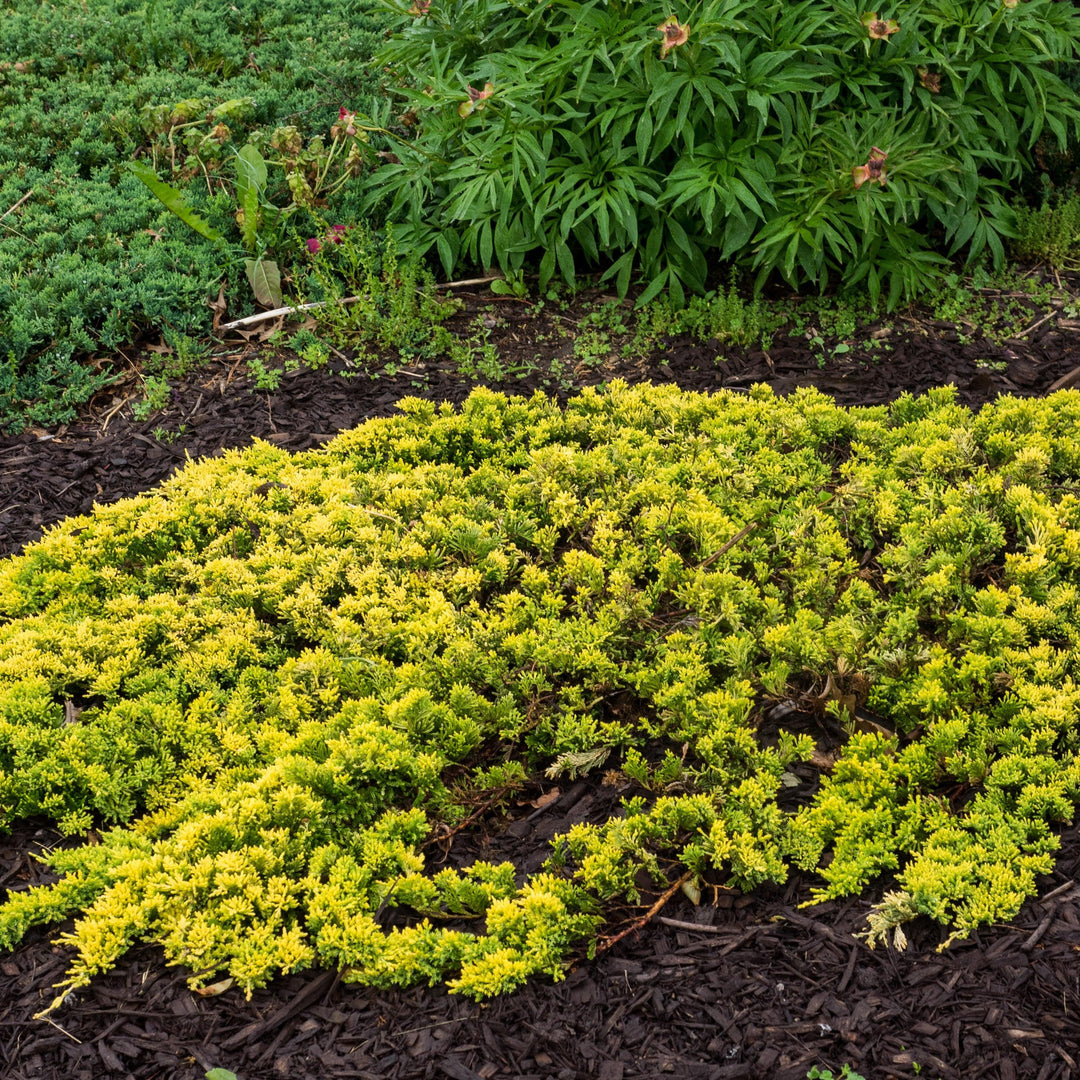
740,986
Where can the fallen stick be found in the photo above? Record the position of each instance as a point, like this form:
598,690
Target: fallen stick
266,316
606,943
13,208
1036,325
682,924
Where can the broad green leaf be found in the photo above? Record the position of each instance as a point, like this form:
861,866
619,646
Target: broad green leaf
643,137
446,253
547,264
250,185
265,278
565,258
654,288
174,200
487,246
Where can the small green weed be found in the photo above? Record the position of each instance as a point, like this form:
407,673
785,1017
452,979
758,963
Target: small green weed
724,316
997,308
846,1073
266,378
187,354
310,348
592,348
377,301
1050,233
476,355
164,435
155,397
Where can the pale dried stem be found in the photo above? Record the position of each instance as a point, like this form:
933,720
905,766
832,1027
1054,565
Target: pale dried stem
11,209
266,316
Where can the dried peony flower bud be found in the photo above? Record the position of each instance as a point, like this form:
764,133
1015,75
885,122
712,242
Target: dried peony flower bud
879,29
675,34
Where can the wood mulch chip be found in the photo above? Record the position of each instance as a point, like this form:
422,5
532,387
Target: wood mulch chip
744,986
751,986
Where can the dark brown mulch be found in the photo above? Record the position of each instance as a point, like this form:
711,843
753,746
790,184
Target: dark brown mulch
107,454
750,986
746,986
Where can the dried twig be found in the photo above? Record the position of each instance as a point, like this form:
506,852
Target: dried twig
606,943
744,532
266,316
48,1020
11,209
1036,325
682,924
1059,891
114,410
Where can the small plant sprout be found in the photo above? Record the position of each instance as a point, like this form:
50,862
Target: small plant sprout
675,34
846,1073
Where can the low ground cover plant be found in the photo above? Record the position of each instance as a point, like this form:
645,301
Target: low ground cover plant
268,687
818,141
89,258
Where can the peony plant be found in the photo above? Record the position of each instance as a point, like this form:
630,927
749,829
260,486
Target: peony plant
746,134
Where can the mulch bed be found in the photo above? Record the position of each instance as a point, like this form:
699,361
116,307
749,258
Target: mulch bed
741,986
106,454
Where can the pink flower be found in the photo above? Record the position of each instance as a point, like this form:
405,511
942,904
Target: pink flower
346,124
873,171
334,236
421,7
675,34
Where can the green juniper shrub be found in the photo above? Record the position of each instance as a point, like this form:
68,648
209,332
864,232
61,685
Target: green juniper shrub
271,683
812,139
91,258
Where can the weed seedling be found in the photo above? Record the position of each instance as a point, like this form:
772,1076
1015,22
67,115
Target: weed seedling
156,397
846,1073
266,378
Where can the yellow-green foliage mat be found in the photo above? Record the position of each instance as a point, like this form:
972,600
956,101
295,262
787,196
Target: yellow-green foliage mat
270,680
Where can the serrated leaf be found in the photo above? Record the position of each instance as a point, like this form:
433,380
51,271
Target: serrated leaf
265,281
174,200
